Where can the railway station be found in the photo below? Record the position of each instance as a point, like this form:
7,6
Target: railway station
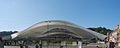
51,34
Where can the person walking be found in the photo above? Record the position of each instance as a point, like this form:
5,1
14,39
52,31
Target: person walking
61,46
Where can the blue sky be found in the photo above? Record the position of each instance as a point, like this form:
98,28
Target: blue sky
21,14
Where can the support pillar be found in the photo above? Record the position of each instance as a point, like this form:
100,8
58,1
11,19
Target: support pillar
79,44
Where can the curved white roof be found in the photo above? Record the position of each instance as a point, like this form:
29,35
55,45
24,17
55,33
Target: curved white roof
45,28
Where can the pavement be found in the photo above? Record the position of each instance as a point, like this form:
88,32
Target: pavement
89,47
46,47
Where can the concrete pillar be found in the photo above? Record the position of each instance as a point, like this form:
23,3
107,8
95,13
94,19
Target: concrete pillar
63,43
74,43
79,44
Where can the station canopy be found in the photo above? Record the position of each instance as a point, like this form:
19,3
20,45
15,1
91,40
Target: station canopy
56,29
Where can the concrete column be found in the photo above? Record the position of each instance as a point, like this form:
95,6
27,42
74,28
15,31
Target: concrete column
74,43
63,43
79,44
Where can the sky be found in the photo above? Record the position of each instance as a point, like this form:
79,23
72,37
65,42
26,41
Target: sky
21,14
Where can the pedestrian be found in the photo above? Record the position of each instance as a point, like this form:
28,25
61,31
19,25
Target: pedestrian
37,46
61,46
97,46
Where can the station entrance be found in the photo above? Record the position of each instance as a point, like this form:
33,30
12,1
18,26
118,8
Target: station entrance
49,41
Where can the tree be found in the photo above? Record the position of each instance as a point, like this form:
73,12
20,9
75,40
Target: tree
101,30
